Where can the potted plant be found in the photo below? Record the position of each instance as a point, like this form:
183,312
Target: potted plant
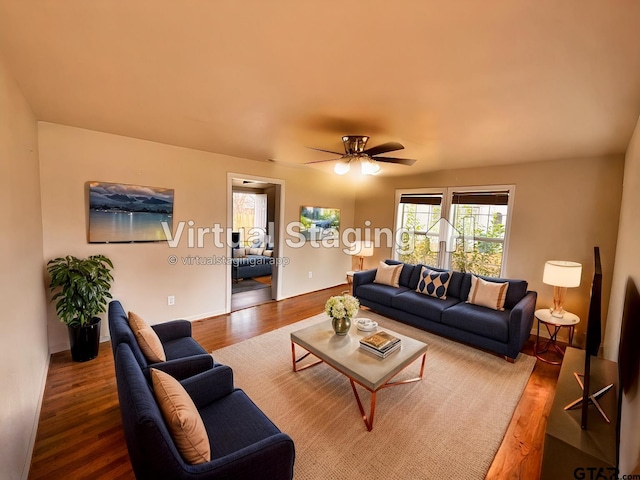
82,289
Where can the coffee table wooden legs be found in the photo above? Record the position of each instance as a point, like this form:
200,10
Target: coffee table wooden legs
368,421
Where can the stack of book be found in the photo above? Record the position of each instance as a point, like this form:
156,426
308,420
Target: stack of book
381,344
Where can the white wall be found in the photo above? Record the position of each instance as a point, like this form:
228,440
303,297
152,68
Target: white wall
23,342
627,267
69,157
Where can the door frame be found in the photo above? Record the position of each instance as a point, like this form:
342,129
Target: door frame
276,278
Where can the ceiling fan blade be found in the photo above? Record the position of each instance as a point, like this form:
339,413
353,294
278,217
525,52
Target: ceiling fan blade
400,161
322,161
384,148
326,151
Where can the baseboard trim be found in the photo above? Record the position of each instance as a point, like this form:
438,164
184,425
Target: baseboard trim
36,420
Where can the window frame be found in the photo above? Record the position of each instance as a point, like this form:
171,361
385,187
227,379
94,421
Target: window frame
444,257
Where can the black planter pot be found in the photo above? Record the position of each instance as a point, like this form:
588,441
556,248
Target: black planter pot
85,341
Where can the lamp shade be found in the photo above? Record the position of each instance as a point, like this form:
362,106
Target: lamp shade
560,273
361,249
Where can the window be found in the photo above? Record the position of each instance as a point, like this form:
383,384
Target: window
418,215
463,229
250,216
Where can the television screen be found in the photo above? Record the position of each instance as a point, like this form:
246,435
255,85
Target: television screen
594,331
129,213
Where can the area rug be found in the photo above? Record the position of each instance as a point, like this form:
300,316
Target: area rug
247,284
449,425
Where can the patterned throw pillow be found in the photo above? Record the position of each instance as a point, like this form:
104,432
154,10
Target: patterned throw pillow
487,294
434,283
388,274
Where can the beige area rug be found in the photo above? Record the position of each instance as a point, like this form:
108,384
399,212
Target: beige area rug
449,425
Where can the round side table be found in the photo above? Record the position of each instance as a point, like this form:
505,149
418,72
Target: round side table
553,326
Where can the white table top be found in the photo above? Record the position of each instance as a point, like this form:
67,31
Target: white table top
568,320
344,354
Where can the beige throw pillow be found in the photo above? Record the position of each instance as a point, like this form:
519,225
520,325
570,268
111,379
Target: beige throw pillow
147,338
239,252
388,274
182,417
487,294
256,251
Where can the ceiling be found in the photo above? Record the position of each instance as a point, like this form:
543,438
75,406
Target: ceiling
459,83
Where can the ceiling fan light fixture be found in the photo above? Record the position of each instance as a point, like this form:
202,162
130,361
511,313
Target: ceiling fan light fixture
369,166
342,167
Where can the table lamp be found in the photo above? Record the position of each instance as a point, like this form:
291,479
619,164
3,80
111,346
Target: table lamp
562,275
361,249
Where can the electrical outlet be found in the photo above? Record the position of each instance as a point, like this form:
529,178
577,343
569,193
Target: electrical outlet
171,300
310,274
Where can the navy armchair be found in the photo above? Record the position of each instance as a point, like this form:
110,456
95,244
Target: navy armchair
185,356
244,442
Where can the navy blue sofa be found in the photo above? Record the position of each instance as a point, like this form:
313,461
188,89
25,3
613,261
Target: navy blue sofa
252,266
185,356
244,442
502,332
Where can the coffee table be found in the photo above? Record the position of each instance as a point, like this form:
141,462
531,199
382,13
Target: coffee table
343,353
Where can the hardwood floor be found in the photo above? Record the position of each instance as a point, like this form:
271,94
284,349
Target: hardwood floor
80,434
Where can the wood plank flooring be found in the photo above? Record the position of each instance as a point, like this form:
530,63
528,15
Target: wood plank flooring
80,434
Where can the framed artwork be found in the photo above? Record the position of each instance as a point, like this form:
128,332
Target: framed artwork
128,213
318,223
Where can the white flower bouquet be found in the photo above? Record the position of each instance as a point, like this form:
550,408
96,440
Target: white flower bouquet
342,306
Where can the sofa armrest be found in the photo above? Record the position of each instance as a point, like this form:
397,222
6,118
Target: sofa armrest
209,386
172,330
185,367
363,277
521,322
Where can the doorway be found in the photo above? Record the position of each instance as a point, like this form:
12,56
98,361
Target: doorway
254,215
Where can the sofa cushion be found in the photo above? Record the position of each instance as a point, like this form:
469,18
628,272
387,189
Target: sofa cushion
379,293
147,339
182,417
487,294
388,274
483,321
421,305
433,283
516,291
455,284
407,275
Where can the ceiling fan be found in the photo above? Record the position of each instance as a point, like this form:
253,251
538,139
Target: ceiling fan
354,150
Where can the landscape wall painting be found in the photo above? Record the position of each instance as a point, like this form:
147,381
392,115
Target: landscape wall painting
128,213
318,223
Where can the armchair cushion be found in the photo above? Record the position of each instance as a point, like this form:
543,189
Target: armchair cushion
182,418
147,338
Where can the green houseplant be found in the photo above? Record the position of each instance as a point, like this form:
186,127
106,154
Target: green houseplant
81,289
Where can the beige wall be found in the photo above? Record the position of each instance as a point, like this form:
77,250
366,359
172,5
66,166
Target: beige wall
69,157
561,210
23,342
627,267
